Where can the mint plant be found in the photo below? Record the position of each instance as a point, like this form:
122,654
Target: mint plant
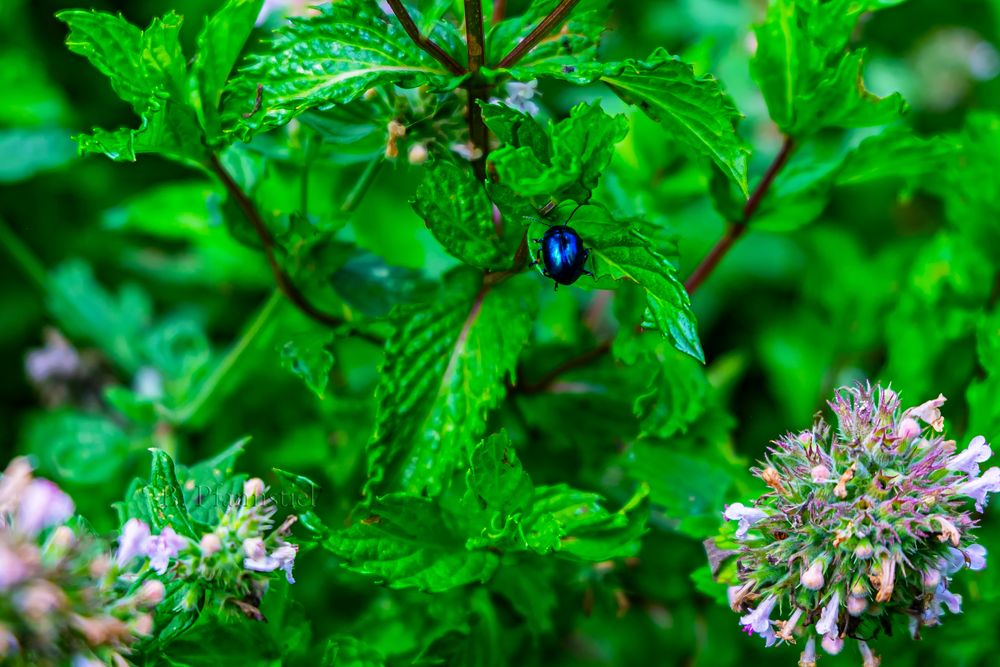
450,462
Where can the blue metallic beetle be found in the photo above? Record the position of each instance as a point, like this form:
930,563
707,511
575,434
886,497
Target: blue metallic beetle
563,255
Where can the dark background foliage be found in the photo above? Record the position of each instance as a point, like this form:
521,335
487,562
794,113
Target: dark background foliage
890,279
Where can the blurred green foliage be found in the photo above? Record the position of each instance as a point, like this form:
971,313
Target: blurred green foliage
873,256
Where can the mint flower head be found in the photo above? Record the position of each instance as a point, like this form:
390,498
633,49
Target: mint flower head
60,603
862,523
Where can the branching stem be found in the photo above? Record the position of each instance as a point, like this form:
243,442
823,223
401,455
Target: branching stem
284,283
544,27
735,230
476,42
423,42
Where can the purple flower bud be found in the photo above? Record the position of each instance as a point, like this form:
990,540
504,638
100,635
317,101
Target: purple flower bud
151,593
14,566
759,620
827,624
868,658
812,578
161,548
968,461
42,505
908,429
210,544
259,560
832,644
820,474
747,516
132,541
808,657
864,549
979,487
931,578
856,606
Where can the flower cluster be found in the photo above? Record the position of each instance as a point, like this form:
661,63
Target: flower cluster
860,524
225,563
59,603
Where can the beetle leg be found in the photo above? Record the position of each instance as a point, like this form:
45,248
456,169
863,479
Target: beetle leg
589,273
537,241
555,286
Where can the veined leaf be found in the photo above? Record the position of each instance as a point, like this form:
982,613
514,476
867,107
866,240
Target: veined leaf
165,498
459,214
444,369
308,357
808,78
219,46
620,252
580,146
148,70
406,543
576,523
330,59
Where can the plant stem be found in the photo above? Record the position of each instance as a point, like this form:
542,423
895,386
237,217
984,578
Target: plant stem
476,42
499,11
423,42
282,280
367,177
557,16
733,233
735,230
190,410
23,257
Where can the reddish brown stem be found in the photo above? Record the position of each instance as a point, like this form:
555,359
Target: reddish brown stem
499,11
547,24
735,230
544,382
423,42
475,40
281,279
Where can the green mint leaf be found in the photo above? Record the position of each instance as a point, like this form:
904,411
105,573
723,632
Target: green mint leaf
809,79
528,584
517,129
149,71
688,487
77,447
460,215
621,253
898,153
576,524
29,151
693,109
581,148
309,358
211,485
164,497
372,286
219,47
330,59
445,368
405,542
345,651
116,324
496,477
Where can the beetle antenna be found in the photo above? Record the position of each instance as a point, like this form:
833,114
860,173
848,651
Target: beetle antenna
534,219
578,207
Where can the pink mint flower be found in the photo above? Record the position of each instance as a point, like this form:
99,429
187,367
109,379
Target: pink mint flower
132,541
968,461
42,505
977,488
161,548
747,516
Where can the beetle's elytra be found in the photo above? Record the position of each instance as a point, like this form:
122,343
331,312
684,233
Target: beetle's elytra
563,255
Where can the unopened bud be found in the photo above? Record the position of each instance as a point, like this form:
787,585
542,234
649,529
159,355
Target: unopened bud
864,549
143,625
773,480
931,579
151,593
253,488
908,429
832,644
813,577
418,154
856,606
820,474
210,544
